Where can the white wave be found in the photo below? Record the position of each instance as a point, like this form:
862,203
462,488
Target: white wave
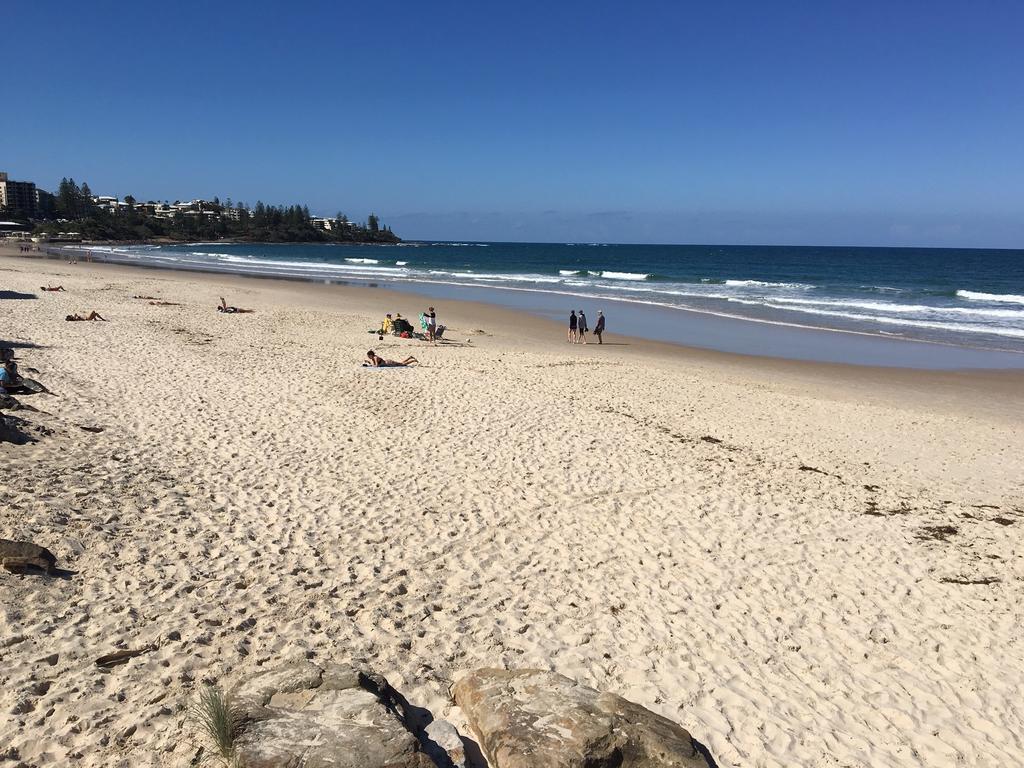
401,263
622,275
308,266
762,284
362,261
570,272
976,296
882,306
492,277
1017,333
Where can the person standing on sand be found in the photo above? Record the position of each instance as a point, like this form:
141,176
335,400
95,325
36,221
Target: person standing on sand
583,327
599,328
572,326
431,317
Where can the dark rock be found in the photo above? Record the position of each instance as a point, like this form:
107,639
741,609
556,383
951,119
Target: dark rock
26,554
538,719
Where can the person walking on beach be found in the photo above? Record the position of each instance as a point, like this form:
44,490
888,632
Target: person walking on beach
599,328
583,327
572,326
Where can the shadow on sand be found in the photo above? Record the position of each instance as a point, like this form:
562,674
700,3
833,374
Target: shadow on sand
4,343
12,431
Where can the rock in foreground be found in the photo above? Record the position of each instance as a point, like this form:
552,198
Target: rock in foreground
25,554
536,719
306,715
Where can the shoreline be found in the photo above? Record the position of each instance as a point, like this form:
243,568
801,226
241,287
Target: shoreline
748,336
981,391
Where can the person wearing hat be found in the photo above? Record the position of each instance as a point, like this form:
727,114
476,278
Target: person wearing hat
599,328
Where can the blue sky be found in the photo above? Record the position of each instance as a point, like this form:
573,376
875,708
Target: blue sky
795,122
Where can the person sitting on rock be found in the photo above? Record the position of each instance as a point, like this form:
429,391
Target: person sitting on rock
94,315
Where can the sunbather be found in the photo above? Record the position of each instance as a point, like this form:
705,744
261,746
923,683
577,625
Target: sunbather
165,304
379,362
51,288
91,316
231,310
143,297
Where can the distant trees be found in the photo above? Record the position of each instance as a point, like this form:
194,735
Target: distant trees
204,221
72,201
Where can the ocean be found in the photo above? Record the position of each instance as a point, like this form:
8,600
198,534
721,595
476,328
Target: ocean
957,297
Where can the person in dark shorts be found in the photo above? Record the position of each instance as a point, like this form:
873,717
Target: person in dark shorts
599,328
583,327
572,326
376,361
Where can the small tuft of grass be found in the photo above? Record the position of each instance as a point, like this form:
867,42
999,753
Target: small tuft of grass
220,722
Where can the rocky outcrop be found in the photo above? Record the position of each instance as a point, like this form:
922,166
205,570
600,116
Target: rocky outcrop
539,719
22,556
318,716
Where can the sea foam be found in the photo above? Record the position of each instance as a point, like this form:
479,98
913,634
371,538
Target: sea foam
1005,297
763,284
621,275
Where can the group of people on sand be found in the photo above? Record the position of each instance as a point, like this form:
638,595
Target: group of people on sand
398,326
75,317
223,307
578,327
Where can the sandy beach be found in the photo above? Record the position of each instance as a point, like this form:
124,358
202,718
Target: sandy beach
803,564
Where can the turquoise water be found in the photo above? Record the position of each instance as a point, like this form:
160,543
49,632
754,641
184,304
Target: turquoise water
967,298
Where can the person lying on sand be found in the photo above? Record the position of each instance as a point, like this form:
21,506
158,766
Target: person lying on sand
165,304
92,316
231,310
148,297
52,288
377,361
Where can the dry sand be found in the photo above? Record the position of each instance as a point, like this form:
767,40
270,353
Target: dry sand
780,556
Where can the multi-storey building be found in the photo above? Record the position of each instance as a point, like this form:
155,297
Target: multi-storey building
17,196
